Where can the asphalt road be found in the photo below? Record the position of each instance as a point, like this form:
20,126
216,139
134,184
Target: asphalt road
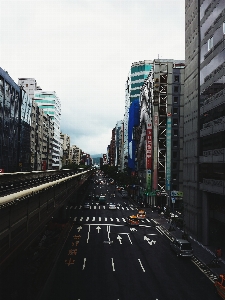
103,258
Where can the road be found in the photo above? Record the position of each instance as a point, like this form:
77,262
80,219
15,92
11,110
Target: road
103,258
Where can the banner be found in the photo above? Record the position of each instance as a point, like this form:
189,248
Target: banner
149,146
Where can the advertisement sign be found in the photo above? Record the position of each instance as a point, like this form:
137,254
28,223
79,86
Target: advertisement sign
168,152
149,146
155,156
149,180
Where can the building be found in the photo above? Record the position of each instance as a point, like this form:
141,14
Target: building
75,155
118,142
65,142
50,103
160,136
204,114
9,123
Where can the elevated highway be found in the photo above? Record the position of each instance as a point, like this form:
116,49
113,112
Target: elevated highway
23,214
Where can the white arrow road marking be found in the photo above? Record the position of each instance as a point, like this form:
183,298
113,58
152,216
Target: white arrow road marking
84,263
149,242
89,229
133,229
75,219
119,238
113,265
141,265
79,228
93,219
98,228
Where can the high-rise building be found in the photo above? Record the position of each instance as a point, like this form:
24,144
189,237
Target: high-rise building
50,103
65,141
138,73
9,123
204,115
75,154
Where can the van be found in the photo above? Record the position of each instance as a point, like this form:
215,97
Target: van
181,247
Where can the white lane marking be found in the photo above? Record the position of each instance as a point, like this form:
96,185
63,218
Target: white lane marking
71,207
80,207
123,220
99,218
84,263
141,265
159,230
147,220
99,207
75,219
129,239
122,207
117,220
105,219
113,265
75,207
87,218
103,207
108,230
89,229
81,218
132,208
111,219
102,224
93,219
98,228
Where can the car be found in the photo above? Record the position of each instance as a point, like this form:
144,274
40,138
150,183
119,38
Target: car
86,206
112,206
182,247
141,214
219,285
132,220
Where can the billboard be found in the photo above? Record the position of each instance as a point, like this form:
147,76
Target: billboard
149,146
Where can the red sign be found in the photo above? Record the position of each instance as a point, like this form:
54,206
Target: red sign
149,146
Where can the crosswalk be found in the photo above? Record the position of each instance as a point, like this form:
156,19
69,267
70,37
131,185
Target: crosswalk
101,207
105,219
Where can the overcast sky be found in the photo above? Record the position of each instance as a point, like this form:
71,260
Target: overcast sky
83,50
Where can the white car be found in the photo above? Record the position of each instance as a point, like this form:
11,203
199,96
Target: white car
112,206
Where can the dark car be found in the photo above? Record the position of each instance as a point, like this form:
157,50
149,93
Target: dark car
182,247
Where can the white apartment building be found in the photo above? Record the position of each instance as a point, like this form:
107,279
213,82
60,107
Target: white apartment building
50,103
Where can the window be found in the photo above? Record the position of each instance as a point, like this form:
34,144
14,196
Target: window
175,110
176,78
174,154
175,121
175,99
174,165
175,144
223,27
210,43
176,88
175,132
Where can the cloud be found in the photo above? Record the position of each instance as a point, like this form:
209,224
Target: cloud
83,50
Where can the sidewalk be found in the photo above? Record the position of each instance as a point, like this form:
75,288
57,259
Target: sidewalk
204,254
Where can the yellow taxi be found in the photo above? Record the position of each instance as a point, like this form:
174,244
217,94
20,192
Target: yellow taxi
220,285
141,214
132,220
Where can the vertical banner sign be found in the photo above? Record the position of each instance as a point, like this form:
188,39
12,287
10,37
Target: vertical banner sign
155,147
149,180
149,146
168,152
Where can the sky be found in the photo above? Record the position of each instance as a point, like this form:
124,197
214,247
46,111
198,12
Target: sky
83,50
